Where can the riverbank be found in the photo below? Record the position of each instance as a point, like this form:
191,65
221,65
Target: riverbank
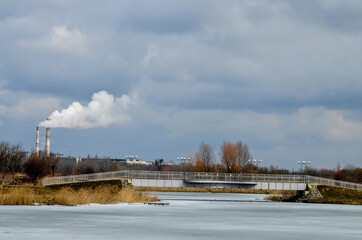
328,195
67,196
209,190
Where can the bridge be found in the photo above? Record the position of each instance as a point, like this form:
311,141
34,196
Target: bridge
205,180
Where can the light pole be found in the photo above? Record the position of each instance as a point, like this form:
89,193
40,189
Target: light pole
301,165
183,162
256,162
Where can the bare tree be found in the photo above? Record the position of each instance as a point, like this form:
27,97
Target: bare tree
243,155
235,156
199,164
114,166
84,168
16,158
4,154
228,156
11,158
52,164
66,168
206,156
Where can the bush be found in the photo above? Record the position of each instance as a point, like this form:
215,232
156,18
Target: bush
36,167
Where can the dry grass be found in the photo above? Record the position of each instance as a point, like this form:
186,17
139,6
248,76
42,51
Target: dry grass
335,195
282,196
17,196
70,197
211,190
101,195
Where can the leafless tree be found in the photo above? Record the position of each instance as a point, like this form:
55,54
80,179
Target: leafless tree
16,158
66,168
52,164
114,166
243,155
4,153
206,156
84,168
235,156
228,156
11,158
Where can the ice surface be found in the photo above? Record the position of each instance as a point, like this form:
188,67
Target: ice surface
189,216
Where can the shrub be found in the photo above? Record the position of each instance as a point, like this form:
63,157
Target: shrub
36,167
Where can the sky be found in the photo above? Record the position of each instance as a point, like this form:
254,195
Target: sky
157,78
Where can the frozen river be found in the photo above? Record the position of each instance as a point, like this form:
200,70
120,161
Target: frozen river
189,216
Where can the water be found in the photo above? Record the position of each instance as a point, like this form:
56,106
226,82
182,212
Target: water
189,216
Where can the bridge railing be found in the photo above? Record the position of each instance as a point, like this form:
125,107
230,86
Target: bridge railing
334,183
202,176
84,178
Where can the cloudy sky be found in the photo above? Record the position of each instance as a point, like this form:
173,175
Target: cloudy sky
157,78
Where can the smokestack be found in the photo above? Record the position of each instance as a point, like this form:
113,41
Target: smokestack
47,142
37,141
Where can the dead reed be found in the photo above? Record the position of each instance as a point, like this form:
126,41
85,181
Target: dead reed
17,196
70,197
100,195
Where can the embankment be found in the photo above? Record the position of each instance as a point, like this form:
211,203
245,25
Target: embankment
105,192
322,194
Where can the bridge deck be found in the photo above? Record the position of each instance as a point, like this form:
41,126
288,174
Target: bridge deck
232,178
218,182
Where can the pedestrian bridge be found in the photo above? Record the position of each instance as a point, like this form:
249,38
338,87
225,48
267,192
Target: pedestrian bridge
205,180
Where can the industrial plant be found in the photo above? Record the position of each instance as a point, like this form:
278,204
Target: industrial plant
47,141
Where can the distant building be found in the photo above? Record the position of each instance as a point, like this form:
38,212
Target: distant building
132,160
71,160
58,155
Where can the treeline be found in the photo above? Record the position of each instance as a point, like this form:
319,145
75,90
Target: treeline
14,159
235,157
349,173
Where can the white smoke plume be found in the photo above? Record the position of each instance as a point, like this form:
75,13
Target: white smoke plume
103,111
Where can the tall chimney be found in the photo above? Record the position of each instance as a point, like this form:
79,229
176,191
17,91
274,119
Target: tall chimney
37,141
47,142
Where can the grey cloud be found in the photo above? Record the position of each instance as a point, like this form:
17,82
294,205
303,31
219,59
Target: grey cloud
202,58
248,46
341,16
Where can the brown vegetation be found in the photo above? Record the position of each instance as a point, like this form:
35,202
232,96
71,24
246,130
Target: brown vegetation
331,195
11,158
17,196
100,195
235,156
70,197
335,195
283,196
36,166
